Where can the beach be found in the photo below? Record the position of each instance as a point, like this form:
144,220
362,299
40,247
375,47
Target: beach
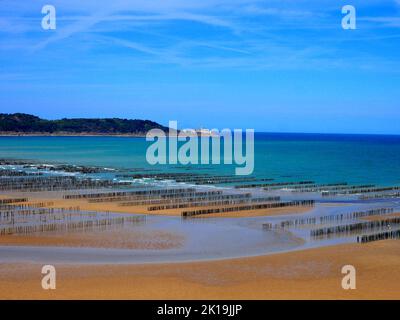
308,274
313,273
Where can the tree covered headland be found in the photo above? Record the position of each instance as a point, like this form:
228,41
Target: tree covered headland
26,123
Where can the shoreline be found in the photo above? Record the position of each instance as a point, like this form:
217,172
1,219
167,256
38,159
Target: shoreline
88,134
9,134
93,134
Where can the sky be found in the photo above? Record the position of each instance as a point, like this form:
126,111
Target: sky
273,66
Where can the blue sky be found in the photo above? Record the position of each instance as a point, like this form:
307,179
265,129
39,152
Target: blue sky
283,66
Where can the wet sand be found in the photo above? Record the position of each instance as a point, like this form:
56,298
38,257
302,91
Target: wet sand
113,239
307,274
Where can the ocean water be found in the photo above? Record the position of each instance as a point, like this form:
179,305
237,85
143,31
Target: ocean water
356,159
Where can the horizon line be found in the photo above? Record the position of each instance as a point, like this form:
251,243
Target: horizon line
255,131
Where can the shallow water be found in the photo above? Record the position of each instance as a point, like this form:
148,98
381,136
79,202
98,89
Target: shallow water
204,239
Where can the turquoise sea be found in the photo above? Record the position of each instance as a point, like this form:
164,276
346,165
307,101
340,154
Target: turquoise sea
356,159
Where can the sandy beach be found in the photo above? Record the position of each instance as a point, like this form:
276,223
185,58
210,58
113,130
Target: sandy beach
307,274
301,274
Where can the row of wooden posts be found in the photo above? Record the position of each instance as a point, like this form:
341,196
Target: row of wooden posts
355,214
364,189
380,196
71,225
21,206
309,186
12,200
18,173
355,227
149,192
196,178
249,207
268,186
191,198
228,202
33,184
327,218
395,234
316,187
10,214
149,197
329,187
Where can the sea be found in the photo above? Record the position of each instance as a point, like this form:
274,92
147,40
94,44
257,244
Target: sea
323,158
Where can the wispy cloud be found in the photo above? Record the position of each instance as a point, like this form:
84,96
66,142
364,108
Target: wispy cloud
390,22
210,33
